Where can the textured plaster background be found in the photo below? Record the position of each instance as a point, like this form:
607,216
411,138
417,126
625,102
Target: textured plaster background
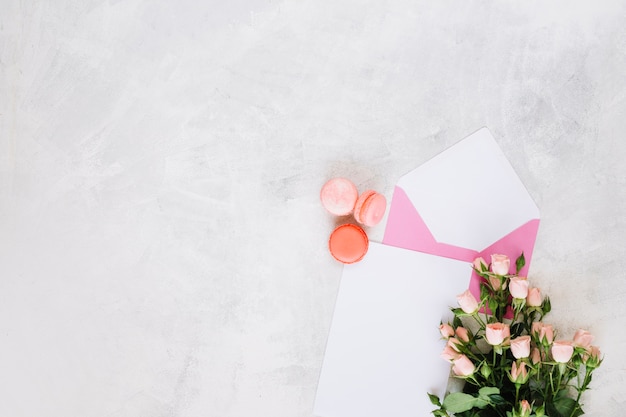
162,246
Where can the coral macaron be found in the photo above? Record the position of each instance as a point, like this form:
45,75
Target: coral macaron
370,208
338,196
348,243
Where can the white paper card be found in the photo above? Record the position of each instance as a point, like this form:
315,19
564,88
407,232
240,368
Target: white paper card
382,354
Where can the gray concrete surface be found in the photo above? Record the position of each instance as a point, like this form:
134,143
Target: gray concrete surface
162,246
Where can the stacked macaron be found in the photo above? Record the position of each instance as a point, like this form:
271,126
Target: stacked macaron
348,243
369,208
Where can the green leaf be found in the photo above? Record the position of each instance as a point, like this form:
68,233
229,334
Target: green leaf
480,403
546,306
563,407
458,312
484,291
457,402
497,399
485,392
540,411
434,399
485,370
519,263
578,412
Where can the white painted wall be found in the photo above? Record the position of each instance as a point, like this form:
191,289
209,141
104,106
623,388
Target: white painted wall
162,247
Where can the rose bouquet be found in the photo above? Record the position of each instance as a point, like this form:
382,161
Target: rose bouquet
508,357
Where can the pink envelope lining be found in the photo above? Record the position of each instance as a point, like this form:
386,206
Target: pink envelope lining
406,229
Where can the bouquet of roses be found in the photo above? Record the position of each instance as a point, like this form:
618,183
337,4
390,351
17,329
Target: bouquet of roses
509,358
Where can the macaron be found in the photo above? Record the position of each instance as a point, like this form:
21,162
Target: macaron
370,208
338,196
359,204
348,243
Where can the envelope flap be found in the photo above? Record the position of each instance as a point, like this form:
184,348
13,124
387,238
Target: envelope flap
444,192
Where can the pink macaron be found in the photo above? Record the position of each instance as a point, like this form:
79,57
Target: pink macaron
370,208
338,196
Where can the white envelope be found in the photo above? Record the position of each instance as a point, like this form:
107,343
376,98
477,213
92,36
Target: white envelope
464,203
382,355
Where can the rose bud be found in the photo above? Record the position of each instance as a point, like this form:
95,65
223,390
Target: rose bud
535,356
583,338
496,333
519,374
534,297
463,366
543,332
498,283
507,336
500,264
480,264
518,286
446,330
467,302
562,351
592,357
462,334
520,347
454,343
449,354
525,408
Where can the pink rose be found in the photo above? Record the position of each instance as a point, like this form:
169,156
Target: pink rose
462,334
591,358
519,374
525,408
463,367
446,330
496,333
520,347
562,351
535,356
583,338
518,286
500,264
479,263
594,352
543,332
449,354
497,283
467,302
534,297
507,336
454,343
